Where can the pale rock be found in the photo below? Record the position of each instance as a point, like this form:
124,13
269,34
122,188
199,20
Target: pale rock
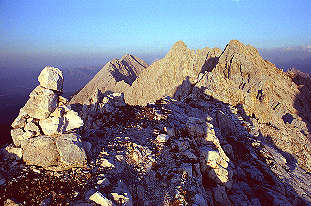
107,164
122,194
51,78
10,202
116,76
72,120
60,111
40,151
117,99
41,104
52,125
100,199
71,152
17,136
20,120
162,138
31,126
215,164
62,101
13,152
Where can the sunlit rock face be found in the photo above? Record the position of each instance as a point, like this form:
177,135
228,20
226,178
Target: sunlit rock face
116,76
164,76
238,76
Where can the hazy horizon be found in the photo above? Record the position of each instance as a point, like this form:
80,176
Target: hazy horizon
89,33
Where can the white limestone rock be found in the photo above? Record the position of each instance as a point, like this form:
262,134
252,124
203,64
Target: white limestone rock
19,136
41,104
20,120
100,199
162,138
72,120
71,152
51,78
12,152
52,125
40,151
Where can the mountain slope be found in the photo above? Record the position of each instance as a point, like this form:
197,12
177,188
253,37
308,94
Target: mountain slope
115,76
238,76
163,76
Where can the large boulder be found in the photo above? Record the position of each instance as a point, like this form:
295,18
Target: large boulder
51,78
55,153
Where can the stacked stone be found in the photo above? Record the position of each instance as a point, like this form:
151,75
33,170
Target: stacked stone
45,129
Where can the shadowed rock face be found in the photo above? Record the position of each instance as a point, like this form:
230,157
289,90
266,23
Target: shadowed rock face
116,76
238,76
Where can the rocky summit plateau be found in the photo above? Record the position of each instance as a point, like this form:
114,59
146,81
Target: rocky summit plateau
204,127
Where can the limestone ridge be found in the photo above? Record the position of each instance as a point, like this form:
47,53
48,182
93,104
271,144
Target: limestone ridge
38,131
163,76
238,76
269,95
116,76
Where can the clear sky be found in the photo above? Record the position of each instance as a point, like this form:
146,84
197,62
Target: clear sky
86,31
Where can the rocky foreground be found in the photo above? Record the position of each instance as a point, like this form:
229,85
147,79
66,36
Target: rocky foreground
189,148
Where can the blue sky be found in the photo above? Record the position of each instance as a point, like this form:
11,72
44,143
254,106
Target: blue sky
42,30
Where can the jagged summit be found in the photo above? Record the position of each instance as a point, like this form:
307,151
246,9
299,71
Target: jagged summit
116,76
164,76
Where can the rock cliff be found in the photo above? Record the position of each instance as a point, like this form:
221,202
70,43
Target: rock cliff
116,76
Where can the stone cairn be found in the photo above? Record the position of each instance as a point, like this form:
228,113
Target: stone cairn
45,131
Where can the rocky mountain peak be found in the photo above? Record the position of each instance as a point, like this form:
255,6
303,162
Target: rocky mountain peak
204,127
116,76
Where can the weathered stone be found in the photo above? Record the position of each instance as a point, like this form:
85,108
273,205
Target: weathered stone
225,124
100,199
51,78
31,126
216,165
181,66
162,138
10,202
220,195
17,136
72,120
20,120
12,152
107,164
196,127
122,195
41,103
40,151
52,125
71,152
